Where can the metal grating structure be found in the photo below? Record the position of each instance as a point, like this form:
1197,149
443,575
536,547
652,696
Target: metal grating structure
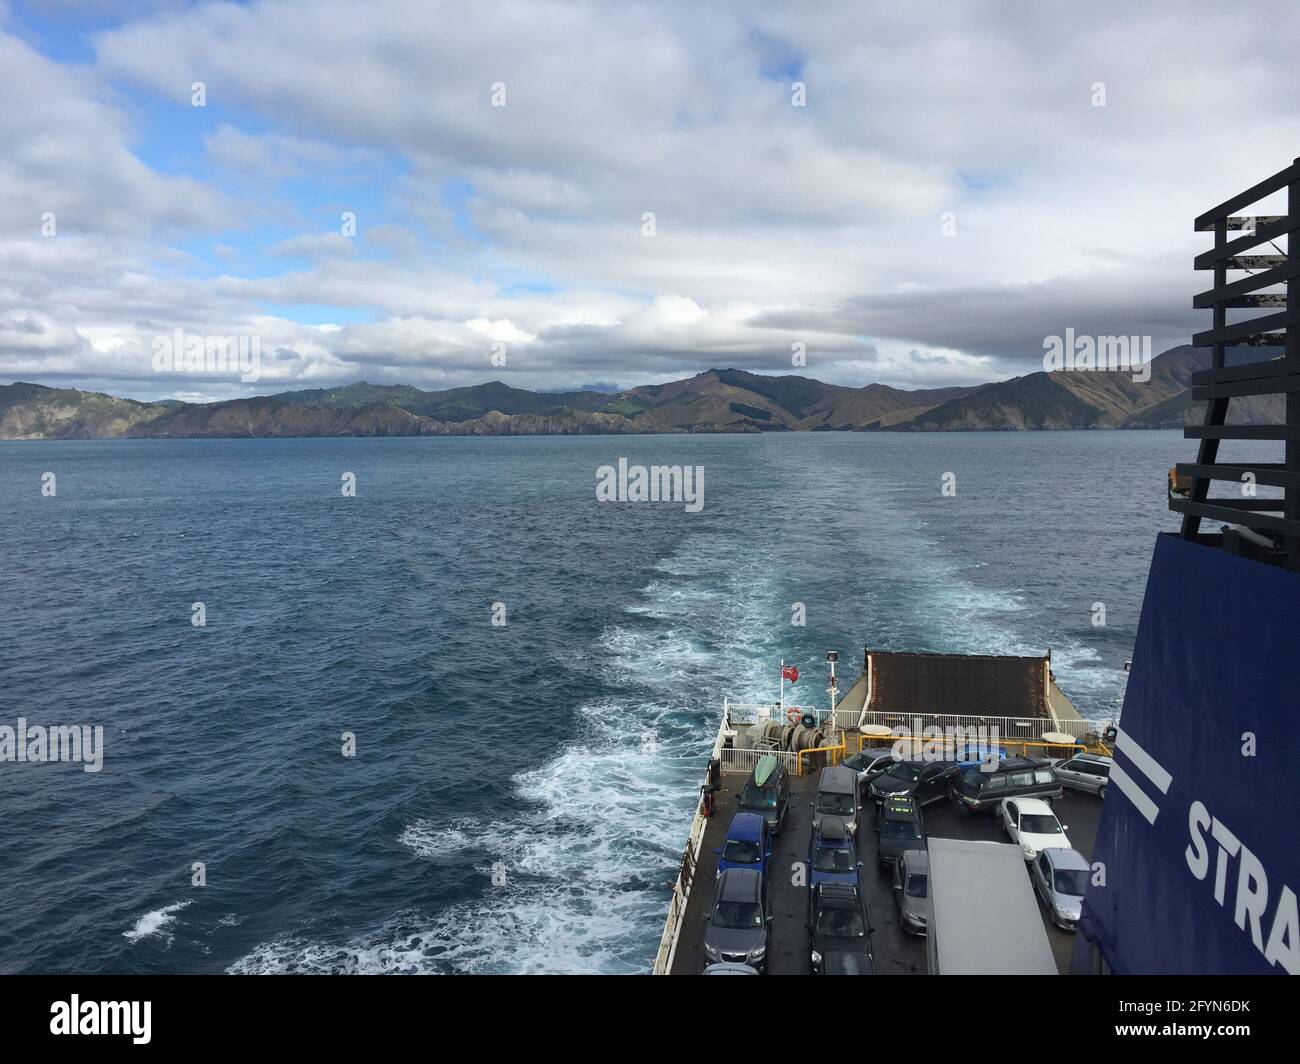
1266,529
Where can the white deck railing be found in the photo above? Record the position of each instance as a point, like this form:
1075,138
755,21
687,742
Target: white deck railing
736,760
681,892
846,719
685,876
1011,728
755,712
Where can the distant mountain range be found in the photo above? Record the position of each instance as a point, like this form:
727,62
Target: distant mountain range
720,400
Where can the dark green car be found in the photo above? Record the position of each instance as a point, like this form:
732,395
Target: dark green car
767,791
899,827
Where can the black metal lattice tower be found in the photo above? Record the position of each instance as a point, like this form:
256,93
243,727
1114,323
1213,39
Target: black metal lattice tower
1272,525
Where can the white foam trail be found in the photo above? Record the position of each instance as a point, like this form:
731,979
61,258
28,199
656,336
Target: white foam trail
155,923
589,858
433,841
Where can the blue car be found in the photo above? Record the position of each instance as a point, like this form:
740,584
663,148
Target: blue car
832,857
971,755
748,844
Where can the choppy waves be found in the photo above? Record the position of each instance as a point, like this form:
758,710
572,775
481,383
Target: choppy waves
593,844
523,795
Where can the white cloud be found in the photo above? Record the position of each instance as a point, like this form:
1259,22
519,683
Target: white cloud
314,246
274,156
66,153
774,224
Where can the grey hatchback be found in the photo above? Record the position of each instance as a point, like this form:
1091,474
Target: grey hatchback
738,921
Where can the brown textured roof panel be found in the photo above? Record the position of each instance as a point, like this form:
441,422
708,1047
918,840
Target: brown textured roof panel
957,683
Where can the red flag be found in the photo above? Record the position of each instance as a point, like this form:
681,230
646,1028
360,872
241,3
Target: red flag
790,672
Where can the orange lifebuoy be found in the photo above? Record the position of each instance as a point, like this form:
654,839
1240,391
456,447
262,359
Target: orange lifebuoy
793,714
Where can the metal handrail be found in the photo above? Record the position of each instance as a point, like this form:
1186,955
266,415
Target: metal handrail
686,871
1267,187
750,712
734,759
1022,745
1009,728
841,749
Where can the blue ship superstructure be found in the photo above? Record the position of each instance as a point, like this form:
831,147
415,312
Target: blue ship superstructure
1197,861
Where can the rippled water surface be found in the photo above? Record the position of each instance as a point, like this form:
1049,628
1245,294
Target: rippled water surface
522,747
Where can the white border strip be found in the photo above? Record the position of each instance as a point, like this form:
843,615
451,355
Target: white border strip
1144,762
1134,794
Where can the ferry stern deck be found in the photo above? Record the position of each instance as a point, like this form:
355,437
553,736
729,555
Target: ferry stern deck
896,952
1011,702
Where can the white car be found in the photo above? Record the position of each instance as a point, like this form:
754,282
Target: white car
1031,825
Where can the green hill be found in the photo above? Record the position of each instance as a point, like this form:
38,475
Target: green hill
721,400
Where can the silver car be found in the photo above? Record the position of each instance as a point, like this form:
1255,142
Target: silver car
837,795
912,891
1060,877
729,968
869,764
1085,772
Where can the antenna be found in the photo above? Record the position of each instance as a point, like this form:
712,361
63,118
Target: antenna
832,657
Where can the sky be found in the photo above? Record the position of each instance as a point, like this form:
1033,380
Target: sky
562,195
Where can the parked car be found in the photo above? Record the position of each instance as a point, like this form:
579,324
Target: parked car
767,791
1085,772
832,857
923,780
738,921
1061,877
912,891
868,764
1031,825
837,795
899,827
748,844
1014,777
840,934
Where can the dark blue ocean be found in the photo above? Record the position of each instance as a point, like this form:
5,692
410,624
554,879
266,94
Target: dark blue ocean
522,747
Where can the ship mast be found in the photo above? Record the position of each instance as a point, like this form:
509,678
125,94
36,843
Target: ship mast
831,658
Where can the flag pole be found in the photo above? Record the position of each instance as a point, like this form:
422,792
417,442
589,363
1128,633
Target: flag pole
783,685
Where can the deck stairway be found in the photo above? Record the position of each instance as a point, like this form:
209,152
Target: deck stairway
1256,356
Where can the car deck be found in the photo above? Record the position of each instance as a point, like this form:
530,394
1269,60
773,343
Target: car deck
896,951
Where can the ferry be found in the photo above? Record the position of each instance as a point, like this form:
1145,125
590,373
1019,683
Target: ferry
1180,817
